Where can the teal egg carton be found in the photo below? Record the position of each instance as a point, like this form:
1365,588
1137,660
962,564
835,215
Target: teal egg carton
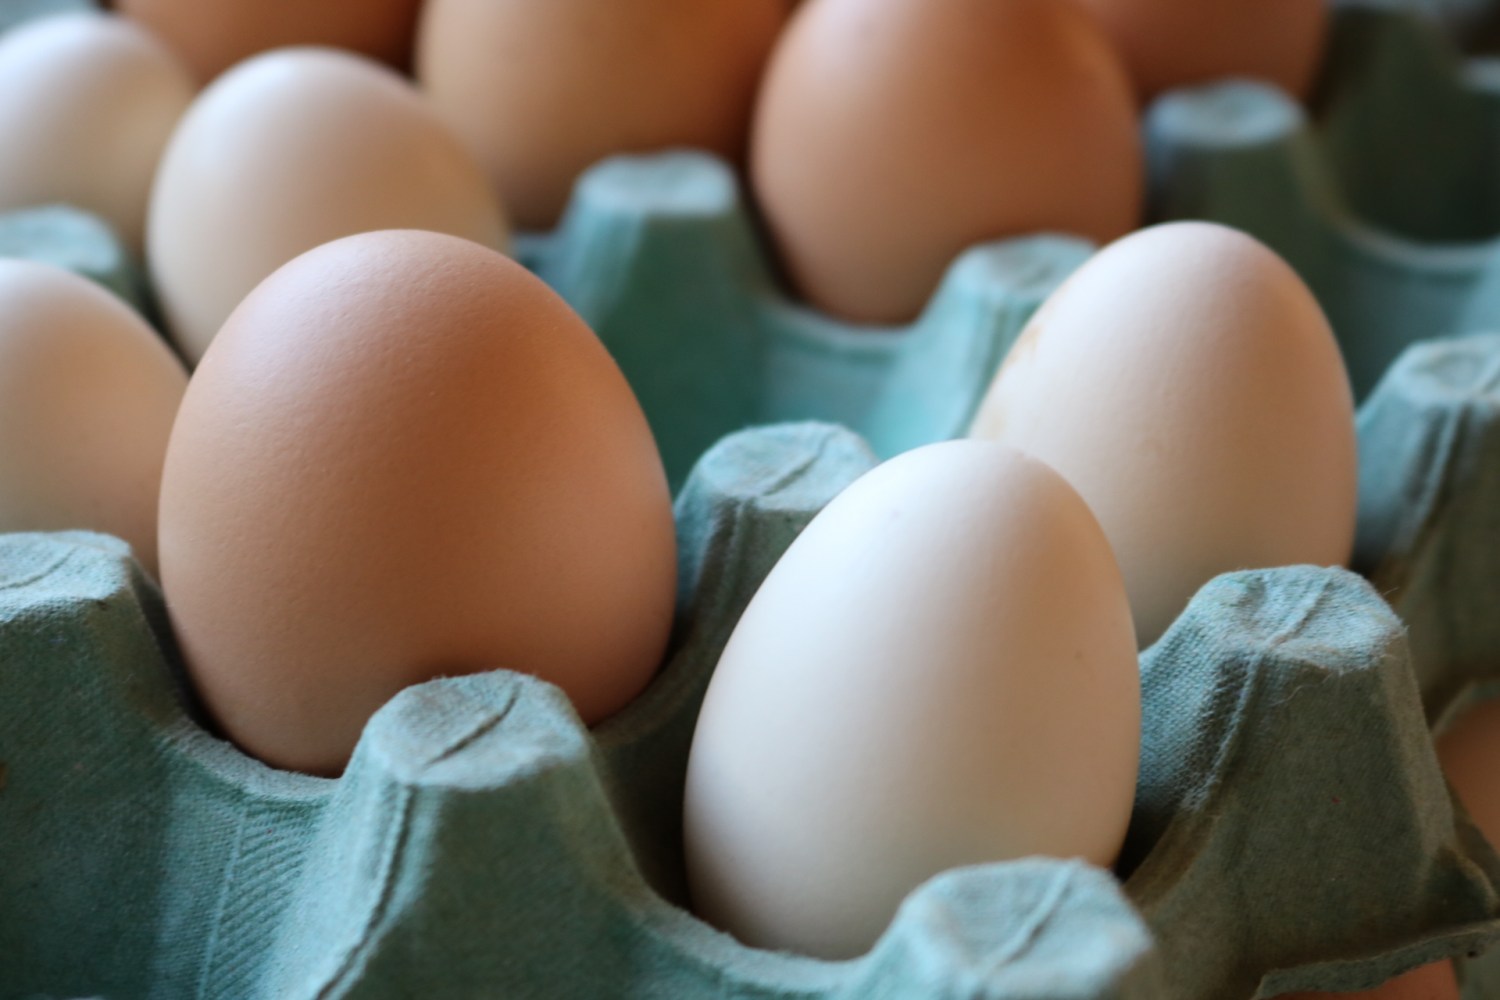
1292,829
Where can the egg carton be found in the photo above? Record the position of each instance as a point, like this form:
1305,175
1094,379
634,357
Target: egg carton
1292,828
483,842
660,256
1429,536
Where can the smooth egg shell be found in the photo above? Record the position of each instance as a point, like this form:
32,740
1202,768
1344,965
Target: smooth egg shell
406,457
544,90
1186,383
88,392
1176,43
1429,982
940,671
87,103
1470,754
890,135
212,35
289,150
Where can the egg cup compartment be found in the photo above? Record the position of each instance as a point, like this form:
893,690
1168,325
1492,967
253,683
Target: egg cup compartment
1293,830
1388,207
477,843
1291,821
1429,534
660,257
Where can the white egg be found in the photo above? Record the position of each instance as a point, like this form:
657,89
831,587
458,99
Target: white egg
290,150
87,102
940,671
1187,384
88,393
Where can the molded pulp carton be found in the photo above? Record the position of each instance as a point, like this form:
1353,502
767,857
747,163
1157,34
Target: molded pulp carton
1292,829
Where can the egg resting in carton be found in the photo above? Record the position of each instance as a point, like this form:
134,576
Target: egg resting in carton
1291,821
483,841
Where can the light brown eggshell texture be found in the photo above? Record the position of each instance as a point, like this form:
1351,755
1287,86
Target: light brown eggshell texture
1175,43
212,35
890,135
1469,751
405,457
88,392
1429,982
542,90
289,150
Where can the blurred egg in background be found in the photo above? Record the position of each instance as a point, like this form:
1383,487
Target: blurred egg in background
1435,981
541,91
891,135
212,35
87,103
88,393
289,150
1178,43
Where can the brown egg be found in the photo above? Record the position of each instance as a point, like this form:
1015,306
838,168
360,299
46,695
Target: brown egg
405,457
542,90
1430,982
892,134
212,35
1174,43
1470,754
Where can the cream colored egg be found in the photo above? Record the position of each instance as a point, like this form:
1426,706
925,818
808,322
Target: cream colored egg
88,392
289,150
890,135
87,102
1186,383
940,671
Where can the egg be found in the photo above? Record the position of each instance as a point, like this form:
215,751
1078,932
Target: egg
1429,982
87,102
543,90
940,671
1185,381
1176,43
405,457
87,396
1470,754
890,135
212,36
289,150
